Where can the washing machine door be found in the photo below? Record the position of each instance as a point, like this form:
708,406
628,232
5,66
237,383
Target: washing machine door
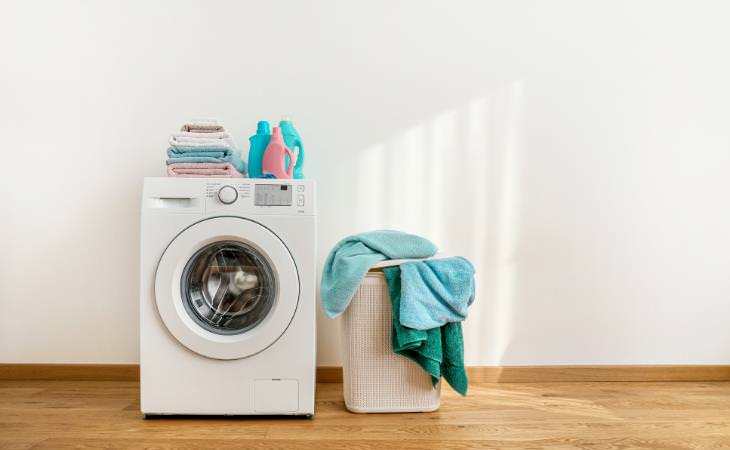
227,288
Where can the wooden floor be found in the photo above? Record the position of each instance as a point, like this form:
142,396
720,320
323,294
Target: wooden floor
105,414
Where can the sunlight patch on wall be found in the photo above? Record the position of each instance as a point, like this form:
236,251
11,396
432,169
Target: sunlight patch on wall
454,179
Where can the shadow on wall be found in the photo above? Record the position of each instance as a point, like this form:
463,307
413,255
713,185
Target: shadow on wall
452,179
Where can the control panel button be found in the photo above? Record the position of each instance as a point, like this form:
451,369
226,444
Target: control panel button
300,200
227,195
300,187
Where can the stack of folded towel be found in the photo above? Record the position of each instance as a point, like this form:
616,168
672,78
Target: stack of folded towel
203,148
429,297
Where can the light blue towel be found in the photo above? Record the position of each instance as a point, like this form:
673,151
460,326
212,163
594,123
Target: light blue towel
217,154
350,259
435,292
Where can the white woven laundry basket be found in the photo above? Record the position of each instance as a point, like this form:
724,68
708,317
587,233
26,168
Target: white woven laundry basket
374,378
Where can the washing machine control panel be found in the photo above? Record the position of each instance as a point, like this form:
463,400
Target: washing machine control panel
260,196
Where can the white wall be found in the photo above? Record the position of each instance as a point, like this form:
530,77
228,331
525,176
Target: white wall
576,151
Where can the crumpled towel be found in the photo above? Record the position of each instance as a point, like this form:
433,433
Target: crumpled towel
439,351
435,292
350,259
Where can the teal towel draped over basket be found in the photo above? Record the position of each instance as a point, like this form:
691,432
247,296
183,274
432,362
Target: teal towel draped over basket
350,259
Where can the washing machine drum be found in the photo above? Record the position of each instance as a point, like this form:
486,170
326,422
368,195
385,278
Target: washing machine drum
227,288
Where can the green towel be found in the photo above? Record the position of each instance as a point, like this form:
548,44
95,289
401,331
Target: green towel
439,351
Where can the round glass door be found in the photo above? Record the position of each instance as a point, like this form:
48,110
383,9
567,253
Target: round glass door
228,287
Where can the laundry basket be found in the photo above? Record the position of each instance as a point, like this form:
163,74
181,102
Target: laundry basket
374,378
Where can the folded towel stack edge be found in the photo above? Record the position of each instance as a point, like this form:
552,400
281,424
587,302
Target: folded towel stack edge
203,148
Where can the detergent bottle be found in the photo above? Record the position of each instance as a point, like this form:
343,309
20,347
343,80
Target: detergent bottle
259,142
294,142
279,161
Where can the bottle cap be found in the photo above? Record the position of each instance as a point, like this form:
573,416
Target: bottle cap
263,127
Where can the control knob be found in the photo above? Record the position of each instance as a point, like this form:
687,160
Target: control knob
227,195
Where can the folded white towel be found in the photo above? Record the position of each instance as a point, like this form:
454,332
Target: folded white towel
187,139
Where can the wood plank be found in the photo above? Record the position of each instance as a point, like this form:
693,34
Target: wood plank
477,374
611,415
362,444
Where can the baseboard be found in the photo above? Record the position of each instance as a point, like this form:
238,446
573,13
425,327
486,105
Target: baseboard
559,374
326,374
80,372
550,374
477,374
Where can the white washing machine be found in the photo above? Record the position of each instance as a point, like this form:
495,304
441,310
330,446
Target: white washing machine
227,298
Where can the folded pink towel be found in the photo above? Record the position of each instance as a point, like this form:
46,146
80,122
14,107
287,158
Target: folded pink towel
214,170
203,126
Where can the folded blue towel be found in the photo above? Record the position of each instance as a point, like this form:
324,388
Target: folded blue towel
435,292
349,261
213,154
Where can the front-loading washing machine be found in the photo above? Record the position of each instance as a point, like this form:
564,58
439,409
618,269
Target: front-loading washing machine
227,297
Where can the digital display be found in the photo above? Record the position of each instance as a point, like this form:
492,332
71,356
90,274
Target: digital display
273,195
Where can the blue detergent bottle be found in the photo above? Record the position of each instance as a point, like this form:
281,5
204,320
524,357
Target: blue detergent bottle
294,142
259,142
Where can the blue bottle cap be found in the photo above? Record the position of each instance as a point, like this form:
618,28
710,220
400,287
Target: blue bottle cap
263,127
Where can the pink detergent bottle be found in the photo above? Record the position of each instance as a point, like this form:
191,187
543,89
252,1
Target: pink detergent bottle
274,164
